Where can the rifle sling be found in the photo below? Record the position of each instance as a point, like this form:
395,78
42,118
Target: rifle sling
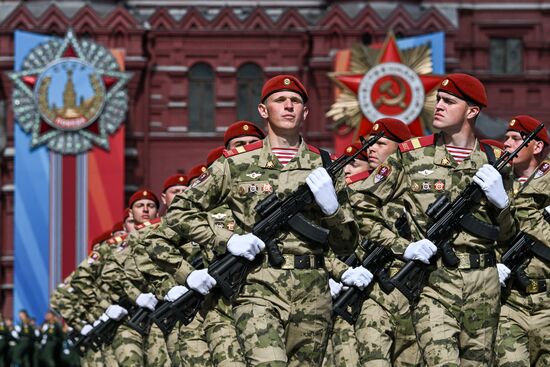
479,228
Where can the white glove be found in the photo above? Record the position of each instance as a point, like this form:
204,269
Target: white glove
116,312
86,329
97,322
503,273
103,317
175,292
44,328
420,250
490,181
247,246
359,277
321,186
547,209
147,300
335,287
200,281
14,334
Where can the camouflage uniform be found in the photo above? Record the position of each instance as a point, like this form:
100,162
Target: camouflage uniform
384,329
457,313
523,337
282,315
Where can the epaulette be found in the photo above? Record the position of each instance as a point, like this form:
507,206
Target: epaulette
357,177
418,142
147,223
116,240
243,148
317,151
542,169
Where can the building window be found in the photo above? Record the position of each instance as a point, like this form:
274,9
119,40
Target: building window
249,90
201,101
506,55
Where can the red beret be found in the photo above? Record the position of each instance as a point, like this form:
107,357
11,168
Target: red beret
196,171
283,82
175,180
143,194
242,128
492,142
126,213
350,150
393,129
117,227
465,87
527,124
213,155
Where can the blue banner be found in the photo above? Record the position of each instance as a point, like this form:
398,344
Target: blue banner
32,206
436,42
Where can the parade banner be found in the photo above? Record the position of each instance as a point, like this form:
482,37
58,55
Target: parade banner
393,79
69,101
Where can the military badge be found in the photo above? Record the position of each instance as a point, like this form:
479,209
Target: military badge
200,179
426,172
70,95
269,164
445,161
219,216
252,189
94,256
543,168
231,226
253,175
267,188
439,185
382,173
122,246
426,186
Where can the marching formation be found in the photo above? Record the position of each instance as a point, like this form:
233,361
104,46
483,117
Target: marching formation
404,251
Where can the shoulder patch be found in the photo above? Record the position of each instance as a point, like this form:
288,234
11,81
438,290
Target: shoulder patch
243,148
357,177
382,172
418,142
94,256
542,169
147,223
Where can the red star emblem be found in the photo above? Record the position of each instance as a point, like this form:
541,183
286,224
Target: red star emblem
393,86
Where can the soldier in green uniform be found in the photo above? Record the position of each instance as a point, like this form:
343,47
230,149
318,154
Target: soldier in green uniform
24,334
384,330
456,316
4,340
282,313
50,343
523,337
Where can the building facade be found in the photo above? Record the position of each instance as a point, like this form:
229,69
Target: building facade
198,66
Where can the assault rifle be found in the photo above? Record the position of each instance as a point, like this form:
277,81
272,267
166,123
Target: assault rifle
349,302
141,320
447,218
276,215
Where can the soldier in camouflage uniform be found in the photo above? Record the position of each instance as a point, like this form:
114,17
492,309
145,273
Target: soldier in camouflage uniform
523,337
456,316
282,314
384,330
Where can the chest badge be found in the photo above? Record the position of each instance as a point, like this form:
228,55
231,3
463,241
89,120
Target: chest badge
219,216
267,188
252,189
426,172
382,173
253,175
426,186
439,185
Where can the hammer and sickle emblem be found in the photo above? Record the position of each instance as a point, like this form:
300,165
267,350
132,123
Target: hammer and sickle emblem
388,97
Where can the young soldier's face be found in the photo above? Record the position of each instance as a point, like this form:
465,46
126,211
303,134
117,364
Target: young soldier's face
143,210
380,151
355,167
451,112
240,141
284,110
171,192
514,139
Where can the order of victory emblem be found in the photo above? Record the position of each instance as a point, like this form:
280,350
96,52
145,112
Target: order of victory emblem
69,95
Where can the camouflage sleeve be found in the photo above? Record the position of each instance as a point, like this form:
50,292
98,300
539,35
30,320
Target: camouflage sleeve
529,211
335,267
506,221
112,278
382,187
134,281
188,213
344,232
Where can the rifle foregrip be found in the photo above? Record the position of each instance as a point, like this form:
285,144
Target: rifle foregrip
274,254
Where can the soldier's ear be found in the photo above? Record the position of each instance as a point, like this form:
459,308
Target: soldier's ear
473,112
539,147
262,109
305,112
